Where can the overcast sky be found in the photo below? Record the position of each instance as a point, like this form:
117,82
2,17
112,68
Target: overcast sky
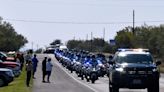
61,19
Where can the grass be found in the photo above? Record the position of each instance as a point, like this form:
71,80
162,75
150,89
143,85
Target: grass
18,85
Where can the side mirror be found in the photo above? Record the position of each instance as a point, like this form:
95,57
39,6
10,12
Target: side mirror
158,63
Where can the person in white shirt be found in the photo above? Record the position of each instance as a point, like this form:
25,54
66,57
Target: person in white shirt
48,69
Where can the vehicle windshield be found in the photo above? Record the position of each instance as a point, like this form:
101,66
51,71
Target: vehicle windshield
135,58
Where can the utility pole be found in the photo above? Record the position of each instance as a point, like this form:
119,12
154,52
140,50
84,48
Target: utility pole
103,39
91,40
32,43
133,22
87,37
37,47
104,34
74,38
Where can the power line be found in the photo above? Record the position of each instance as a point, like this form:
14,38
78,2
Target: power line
72,22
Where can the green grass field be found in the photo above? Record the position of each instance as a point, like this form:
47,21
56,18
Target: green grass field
18,85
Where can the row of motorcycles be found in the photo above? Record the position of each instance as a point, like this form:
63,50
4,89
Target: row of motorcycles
85,65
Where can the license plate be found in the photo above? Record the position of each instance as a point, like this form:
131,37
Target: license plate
137,81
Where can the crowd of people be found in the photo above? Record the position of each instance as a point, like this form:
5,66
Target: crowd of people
31,68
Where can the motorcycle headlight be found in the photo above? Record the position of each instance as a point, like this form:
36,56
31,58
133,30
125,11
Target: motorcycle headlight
94,69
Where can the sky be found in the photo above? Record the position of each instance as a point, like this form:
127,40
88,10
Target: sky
42,21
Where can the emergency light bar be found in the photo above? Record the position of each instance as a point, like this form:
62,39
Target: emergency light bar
137,50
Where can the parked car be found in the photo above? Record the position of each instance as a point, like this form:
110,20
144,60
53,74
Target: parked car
15,67
6,76
11,56
4,57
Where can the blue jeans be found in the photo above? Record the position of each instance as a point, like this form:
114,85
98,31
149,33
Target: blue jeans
48,76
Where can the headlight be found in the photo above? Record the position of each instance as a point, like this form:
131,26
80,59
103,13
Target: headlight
120,69
10,73
94,69
155,70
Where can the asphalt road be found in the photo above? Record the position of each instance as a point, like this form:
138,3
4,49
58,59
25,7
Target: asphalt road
63,81
60,81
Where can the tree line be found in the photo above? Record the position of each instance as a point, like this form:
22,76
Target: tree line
145,36
150,37
10,40
95,45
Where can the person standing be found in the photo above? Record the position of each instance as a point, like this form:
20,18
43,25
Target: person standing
29,68
35,64
48,69
28,57
44,68
21,60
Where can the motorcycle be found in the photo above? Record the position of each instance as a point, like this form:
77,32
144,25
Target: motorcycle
93,74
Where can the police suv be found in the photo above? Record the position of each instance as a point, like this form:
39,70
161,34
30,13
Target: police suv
134,69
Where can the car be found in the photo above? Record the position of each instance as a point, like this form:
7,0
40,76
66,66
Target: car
6,76
14,66
7,57
11,56
134,69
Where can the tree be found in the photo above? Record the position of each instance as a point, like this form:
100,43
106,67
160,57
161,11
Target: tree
145,36
95,45
124,38
10,40
55,42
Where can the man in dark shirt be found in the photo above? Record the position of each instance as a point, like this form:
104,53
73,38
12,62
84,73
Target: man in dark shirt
44,68
35,64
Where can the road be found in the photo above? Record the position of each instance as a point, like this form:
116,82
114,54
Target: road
63,81
60,81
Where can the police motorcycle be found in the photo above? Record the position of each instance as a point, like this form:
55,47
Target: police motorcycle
64,59
73,62
94,70
102,62
101,68
82,67
77,64
109,65
87,67
69,62
58,54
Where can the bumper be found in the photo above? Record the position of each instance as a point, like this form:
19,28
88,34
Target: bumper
16,73
134,81
9,79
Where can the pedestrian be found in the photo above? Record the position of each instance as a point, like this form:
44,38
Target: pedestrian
48,69
44,68
29,68
28,57
35,64
21,60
